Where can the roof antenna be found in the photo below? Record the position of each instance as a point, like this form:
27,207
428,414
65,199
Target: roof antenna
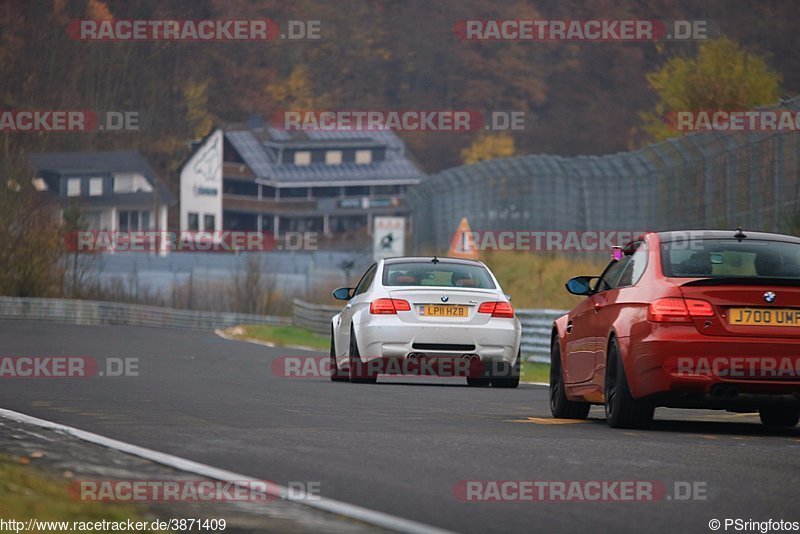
435,260
739,234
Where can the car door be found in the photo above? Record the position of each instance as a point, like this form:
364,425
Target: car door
609,303
346,317
589,324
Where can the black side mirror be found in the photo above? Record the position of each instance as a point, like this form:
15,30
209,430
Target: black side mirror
581,285
343,293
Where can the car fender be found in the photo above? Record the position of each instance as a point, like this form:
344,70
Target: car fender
560,331
624,344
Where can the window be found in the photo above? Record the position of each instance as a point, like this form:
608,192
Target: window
611,276
441,274
366,280
133,221
302,157
131,183
385,189
95,187
356,191
208,223
333,157
626,271
717,258
194,221
294,192
74,187
325,192
635,269
363,157
122,225
240,187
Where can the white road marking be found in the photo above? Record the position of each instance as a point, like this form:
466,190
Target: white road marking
329,505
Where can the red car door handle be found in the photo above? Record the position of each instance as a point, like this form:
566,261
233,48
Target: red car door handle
569,327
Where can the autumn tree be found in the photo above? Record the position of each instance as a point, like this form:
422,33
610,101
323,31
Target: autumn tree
31,236
722,76
489,146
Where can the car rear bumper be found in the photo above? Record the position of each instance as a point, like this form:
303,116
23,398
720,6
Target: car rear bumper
496,340
677,363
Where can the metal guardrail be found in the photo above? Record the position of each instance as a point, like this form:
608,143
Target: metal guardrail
314,317
91,312
536,326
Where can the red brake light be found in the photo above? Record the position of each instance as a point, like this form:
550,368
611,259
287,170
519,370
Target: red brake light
388,306
678,310
497,309
699,308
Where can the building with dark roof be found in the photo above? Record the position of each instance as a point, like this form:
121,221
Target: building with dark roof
258,178
117,190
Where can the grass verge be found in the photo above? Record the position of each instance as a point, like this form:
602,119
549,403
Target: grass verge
284,335
27,493
535,372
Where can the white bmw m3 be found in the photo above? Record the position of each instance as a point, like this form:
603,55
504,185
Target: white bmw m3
429,316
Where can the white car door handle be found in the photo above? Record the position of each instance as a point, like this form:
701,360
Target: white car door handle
349,306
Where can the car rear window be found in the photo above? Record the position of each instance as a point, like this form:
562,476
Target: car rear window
723,258
440,274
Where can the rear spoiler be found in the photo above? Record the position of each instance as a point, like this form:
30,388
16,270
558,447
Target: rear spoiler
743,281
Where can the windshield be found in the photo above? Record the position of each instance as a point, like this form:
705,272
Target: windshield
718,258
438,274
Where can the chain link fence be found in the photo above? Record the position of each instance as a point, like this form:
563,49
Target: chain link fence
697,181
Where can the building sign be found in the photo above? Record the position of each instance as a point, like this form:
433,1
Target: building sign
367,202
388,235
201,186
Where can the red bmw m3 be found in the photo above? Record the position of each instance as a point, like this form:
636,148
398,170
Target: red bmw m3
686,319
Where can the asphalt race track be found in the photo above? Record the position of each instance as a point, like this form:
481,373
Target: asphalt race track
401,446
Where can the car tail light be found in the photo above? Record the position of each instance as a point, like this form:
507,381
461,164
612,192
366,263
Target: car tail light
388,306
678,310
497,309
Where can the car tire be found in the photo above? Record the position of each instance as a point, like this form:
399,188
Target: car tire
560,406
359,371
336,374
509,379
779,416
622,410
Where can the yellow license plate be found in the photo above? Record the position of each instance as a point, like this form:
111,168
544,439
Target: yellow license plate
764,316
437,310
